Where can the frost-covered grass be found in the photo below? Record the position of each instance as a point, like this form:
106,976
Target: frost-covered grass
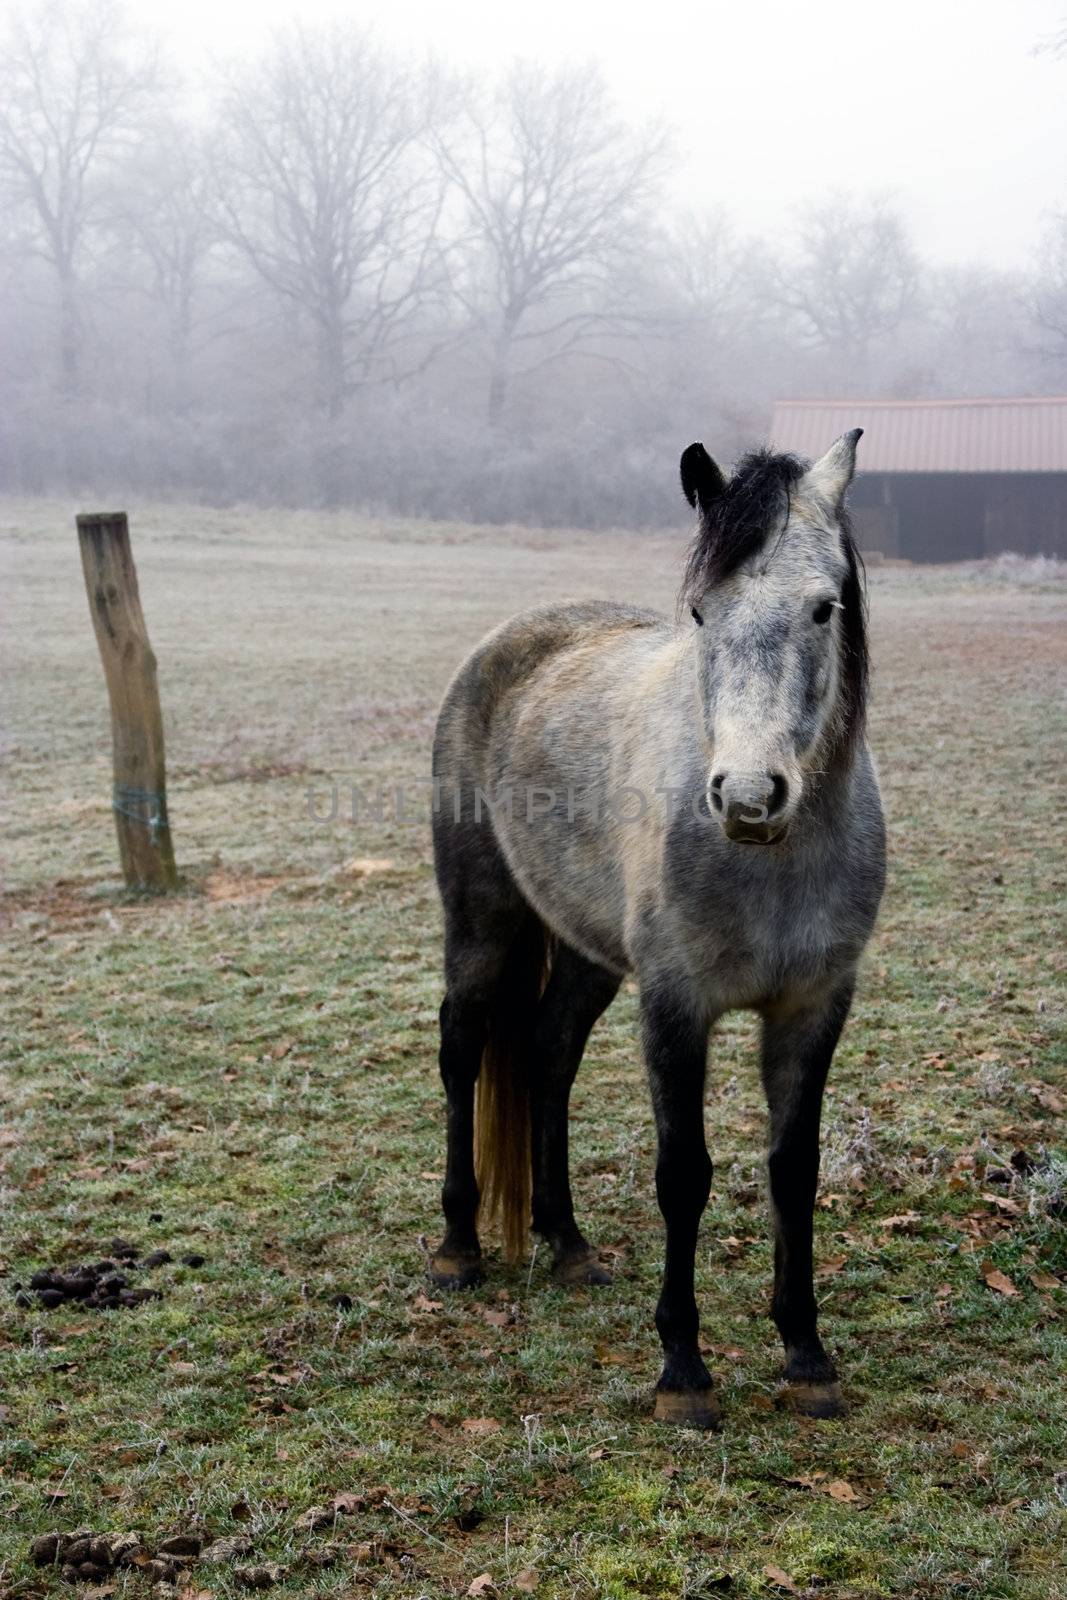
247,1071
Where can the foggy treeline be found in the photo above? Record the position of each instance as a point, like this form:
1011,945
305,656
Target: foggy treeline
330,275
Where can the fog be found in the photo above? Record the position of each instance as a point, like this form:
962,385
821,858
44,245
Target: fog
498,267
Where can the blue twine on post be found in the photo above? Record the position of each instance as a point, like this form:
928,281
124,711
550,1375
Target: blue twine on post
123,796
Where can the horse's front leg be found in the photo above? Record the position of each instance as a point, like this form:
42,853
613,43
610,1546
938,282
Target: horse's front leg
676,1055
798,1045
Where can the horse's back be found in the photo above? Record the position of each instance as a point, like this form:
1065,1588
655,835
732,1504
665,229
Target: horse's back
511,658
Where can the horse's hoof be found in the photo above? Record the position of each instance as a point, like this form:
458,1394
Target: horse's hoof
576,1272
688,1408
814,1399
455,1272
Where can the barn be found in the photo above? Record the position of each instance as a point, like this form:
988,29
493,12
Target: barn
946,480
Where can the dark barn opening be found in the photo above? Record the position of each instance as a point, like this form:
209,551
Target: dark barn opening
946,480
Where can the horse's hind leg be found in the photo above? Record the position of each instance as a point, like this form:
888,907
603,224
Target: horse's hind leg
577,993
456,1264
797,1050
482,914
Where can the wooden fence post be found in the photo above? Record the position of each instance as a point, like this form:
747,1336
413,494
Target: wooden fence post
139,798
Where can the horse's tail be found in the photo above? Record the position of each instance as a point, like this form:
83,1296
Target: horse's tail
502,1107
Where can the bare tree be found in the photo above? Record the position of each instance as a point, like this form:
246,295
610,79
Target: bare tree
1054,44
163,215
852,279
320,188
555,191
74,90
1048,294
713,277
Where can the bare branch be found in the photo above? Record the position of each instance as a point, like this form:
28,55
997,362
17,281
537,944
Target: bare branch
319,190
74,91
555,191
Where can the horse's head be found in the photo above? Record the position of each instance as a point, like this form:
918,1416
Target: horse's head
774,589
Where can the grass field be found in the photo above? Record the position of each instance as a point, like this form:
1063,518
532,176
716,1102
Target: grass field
246,1072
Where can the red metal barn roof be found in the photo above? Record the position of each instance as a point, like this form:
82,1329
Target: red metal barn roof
932,435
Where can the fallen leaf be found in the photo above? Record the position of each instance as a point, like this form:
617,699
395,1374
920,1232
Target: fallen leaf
364,866
826,1269
806,1480
527,1580
841,1489
314,1517
1044,1280
480,1425
241,1511
346,1503
422,1302
482,1584
997,1280
782,1579
907,1222
497,1319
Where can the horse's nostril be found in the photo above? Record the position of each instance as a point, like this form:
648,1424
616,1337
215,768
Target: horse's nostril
779,793
716,790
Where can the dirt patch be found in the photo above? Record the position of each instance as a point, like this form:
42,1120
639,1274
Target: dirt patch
233,888
74,903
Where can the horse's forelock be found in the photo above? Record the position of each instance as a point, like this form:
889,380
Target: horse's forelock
754,501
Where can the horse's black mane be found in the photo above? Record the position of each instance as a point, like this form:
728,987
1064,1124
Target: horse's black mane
751,511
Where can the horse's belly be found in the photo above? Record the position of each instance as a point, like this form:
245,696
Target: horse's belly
574,886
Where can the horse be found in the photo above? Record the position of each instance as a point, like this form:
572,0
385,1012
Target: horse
692,801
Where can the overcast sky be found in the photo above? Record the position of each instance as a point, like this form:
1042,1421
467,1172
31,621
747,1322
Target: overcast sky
941,101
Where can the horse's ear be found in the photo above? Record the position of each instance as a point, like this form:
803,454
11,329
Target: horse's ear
829,478
702,482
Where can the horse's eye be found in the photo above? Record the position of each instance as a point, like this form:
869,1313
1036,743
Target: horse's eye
823,612
697,618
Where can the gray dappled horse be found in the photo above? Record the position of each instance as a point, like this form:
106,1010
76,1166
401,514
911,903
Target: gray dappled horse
696,805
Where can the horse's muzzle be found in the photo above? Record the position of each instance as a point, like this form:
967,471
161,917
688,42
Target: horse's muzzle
751,808
754,832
